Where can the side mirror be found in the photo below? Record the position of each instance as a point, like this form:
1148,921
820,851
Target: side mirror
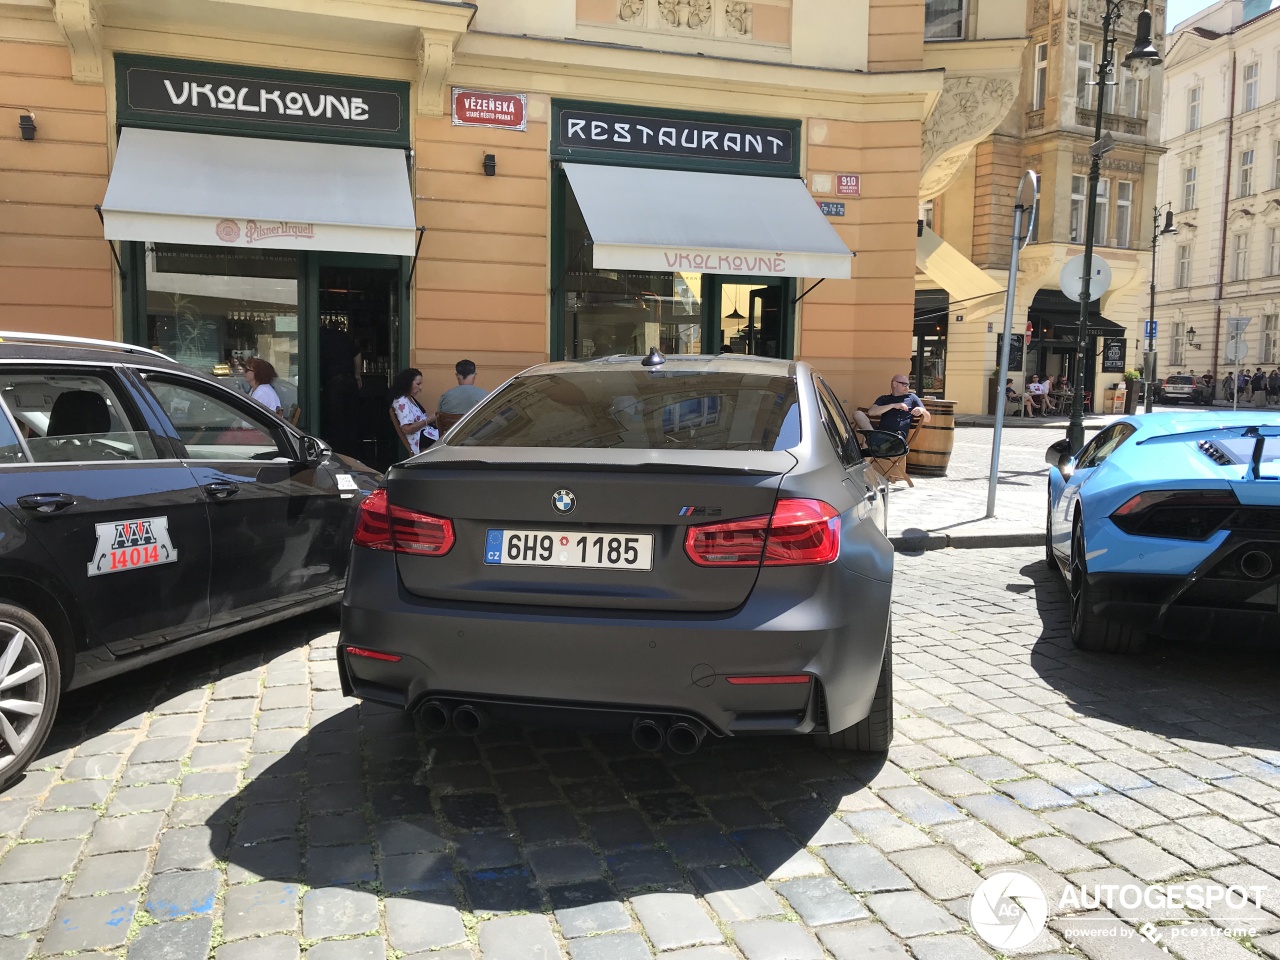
1059,455
314,451
883,445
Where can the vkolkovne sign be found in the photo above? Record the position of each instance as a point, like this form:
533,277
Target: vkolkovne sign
658,136
209,96
1113,350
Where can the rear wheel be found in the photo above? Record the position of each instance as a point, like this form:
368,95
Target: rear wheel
1088,630
874,734
30,685
1049,557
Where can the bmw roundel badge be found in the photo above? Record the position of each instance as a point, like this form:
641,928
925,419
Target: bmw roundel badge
564,501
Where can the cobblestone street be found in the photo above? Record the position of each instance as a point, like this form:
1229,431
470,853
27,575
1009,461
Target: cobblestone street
232,803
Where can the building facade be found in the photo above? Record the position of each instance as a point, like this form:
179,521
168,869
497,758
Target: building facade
966,228
350,189
1222,175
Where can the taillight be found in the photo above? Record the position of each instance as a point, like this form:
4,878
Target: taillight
381,525
798,532
1175,514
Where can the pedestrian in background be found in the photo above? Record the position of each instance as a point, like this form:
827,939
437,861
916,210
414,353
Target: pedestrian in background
258,374
413,420
1258,388
466,394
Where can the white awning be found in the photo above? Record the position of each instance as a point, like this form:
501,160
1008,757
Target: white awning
171,187
646,219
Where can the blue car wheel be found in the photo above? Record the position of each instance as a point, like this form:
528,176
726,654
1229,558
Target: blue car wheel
1088,630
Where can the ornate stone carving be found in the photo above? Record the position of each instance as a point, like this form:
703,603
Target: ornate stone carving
1073,29
1039,13
1055,34
629,10
738,18
82,28
968,109
435,57
691,14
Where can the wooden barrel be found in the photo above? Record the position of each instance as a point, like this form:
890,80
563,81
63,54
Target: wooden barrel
931,452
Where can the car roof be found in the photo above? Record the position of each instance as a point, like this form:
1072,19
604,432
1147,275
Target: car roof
40,351
1174,422
678,363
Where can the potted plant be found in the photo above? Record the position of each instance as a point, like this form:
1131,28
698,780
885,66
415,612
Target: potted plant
1131,378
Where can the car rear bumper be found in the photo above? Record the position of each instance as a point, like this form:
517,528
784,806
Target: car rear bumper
1223,597
623,663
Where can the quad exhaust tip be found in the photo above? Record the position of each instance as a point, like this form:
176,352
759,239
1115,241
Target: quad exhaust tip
682,736
436,717
469,720
685,738
1255,565
648,735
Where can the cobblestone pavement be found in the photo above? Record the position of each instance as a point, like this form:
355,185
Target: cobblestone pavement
232,803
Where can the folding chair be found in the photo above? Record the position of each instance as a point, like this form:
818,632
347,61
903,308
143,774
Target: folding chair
894,469
445,421
395,423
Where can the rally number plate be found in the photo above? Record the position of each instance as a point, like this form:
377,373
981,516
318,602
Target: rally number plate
545,548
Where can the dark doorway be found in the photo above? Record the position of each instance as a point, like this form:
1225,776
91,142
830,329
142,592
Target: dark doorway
359,311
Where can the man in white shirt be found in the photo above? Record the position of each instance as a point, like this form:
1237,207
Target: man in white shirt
1040,395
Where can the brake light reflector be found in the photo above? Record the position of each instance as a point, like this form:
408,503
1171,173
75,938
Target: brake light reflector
372,654
799,532
381,525
786,678
1176,514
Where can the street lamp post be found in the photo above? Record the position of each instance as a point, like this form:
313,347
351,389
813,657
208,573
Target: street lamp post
1142,55
1149,360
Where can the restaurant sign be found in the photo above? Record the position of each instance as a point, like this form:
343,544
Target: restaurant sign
1113,354
507,111
581,132
220,98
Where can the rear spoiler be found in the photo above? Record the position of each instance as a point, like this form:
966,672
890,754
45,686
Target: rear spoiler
554,465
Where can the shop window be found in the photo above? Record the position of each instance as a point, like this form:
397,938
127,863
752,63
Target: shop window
213,308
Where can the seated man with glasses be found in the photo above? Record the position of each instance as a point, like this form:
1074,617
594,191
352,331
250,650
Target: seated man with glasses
897,410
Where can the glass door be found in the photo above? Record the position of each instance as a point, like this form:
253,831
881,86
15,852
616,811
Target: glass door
754,315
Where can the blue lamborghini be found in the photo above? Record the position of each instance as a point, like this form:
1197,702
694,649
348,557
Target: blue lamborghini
1168,525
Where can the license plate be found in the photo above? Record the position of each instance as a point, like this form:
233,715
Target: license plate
545,548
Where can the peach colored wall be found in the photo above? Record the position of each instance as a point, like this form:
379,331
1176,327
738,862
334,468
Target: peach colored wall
598,11
55,268
857,332
770,24
481,286
895,38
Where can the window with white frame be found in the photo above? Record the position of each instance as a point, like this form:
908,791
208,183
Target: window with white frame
1250,94
1189,188
1240,256
1040,89
1101,206
1245,178
1079,197
926,213
1193,108
1273,251
1131,90
1177,344
1084,75
1275,167
1124,212
944,19
1182,277
1270,336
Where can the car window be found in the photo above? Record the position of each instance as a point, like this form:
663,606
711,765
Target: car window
639,409
71,417
836,423
1105,444
215,427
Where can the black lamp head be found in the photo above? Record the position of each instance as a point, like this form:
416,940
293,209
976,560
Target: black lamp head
1168,223
27,124
490,165
1144,54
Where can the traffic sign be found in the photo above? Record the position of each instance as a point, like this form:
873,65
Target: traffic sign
1152,328
1072,277
1237,350
1236,325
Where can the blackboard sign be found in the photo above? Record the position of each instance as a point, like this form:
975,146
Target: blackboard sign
1113,349
1015,353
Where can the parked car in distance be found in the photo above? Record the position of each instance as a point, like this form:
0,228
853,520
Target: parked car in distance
681,546
147,510
1178,387
1168,524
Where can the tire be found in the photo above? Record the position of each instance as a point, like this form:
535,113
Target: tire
29,664
875,733
1088,630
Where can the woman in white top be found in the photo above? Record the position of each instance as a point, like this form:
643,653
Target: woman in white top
408,411
259,374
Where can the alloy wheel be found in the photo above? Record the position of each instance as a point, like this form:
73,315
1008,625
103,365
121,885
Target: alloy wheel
24,691
1078,573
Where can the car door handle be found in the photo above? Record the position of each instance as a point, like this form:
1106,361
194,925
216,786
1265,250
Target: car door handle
46,502
221,489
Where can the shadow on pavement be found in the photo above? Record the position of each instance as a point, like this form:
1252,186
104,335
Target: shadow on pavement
1220,690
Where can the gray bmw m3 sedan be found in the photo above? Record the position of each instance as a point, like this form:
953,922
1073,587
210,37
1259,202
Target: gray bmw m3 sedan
683,547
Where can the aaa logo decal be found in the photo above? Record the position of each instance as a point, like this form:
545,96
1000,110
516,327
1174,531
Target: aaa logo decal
131,545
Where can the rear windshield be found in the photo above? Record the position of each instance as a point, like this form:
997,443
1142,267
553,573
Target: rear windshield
639,410
1180,379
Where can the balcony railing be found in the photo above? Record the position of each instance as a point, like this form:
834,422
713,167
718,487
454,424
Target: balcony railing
1135,126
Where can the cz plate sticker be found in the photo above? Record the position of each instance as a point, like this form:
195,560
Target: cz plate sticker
131,545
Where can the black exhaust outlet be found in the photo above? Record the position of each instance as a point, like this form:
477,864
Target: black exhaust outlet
1255,565
685,738
469,720
434,716
648,735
